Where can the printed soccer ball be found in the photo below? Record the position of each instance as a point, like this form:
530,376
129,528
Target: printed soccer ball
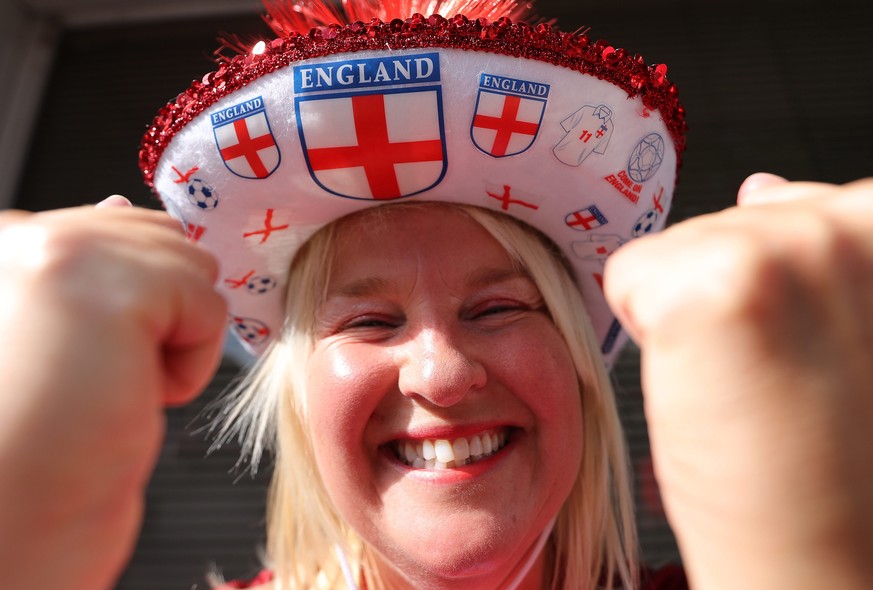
250,330
202,195
646,223
646,158
260,285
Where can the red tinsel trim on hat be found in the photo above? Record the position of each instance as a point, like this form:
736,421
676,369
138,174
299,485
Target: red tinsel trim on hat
540,42
299,16
287,18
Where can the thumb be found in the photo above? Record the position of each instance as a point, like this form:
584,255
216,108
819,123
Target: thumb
750,193
114,201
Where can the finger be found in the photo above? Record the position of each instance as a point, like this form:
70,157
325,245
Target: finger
149,228
155,234
643,289
628,271
651,283
193,335
180,312
111,212
117,212
12,216
768,189
858,195
193,351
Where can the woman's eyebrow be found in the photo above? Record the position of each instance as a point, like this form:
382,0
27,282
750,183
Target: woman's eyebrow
358,287
479,277
499,274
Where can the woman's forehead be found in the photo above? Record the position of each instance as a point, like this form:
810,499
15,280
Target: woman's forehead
392,215
423,237
388,227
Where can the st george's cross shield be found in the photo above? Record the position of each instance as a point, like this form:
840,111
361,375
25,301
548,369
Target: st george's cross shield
585,219
508,114
377,143
245,140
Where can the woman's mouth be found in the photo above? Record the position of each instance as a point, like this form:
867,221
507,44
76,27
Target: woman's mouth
449,453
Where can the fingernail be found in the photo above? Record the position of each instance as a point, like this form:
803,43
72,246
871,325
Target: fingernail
114,201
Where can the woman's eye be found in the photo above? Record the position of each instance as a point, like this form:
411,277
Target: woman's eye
497,309
369,322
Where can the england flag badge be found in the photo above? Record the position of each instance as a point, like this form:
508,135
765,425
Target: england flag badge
585,219
508,115
372,128
245,140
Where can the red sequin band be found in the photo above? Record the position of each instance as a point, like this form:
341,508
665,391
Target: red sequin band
540,42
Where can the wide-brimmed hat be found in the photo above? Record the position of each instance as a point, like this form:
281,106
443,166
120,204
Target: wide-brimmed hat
578,139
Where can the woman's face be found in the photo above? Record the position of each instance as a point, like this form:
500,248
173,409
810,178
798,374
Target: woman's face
443,405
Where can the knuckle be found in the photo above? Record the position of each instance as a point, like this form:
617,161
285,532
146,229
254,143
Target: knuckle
729,269
765,273
66,265
863,186
34,249
65,256
728,273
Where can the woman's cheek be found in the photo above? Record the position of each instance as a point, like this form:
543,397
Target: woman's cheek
342,394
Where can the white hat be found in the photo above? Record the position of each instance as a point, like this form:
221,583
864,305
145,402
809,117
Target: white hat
573,137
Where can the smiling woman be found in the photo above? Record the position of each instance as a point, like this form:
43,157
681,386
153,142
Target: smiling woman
431,423
431,354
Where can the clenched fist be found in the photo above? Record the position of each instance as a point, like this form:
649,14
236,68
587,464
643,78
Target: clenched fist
756,331
108,315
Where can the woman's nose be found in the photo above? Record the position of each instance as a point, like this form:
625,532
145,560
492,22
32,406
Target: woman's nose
435,366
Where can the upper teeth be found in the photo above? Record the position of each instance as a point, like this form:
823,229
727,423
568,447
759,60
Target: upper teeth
444,453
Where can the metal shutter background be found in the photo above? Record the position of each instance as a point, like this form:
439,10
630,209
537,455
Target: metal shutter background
778,86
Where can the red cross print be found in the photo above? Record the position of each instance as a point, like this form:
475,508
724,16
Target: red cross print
505,125
268,229
184,177
237,283
375,152
194,232
601,131
506,200
656,199
247,147
579,219
585,136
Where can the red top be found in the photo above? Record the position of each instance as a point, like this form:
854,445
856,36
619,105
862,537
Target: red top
262,578
670,577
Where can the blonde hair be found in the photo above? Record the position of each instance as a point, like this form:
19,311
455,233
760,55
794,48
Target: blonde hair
594,541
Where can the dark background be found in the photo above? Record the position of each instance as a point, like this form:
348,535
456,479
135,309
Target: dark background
772,85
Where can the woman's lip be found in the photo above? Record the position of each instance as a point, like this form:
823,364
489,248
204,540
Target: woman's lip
445,431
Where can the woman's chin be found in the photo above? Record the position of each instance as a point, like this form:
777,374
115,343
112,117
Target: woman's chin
468,571
459,555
